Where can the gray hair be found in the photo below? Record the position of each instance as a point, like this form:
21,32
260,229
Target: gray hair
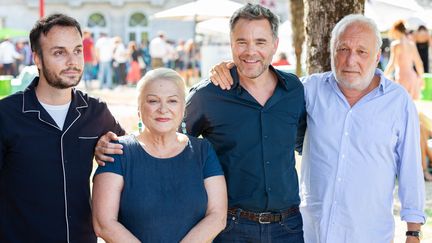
158,74
348,20
256,12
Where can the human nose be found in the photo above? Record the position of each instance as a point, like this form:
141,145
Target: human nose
163,107
73,60
250,47
351,58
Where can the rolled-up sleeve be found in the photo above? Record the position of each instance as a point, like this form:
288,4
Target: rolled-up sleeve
410,173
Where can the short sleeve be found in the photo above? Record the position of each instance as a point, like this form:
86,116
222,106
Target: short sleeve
211,166
114,167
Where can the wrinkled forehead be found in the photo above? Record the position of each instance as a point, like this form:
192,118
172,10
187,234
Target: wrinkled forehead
357,35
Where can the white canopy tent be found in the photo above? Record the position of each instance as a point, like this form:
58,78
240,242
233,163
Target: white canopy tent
386,12
206,10
200,10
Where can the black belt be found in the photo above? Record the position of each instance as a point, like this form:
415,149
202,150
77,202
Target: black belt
265,217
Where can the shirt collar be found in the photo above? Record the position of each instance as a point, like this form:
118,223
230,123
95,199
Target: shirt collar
236,80
31,103
383,83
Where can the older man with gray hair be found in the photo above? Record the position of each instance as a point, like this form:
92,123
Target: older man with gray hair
362,135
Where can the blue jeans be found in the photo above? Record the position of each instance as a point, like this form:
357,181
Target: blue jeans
88,73
240,230
105,74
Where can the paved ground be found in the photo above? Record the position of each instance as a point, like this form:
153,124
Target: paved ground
122,103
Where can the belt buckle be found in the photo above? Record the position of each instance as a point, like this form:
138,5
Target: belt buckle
264,214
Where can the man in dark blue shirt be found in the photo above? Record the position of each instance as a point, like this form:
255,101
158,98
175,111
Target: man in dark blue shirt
47,136
253,128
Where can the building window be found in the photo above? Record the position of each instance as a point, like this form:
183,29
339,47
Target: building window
138,19
138,27
96,20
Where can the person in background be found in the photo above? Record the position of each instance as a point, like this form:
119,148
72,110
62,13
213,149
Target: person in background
145,53
47,137
403,56
166,186
281,60
89,57
104,55
120,59
191,62
159,50
134,73
422,40
8,56
426,149
180,63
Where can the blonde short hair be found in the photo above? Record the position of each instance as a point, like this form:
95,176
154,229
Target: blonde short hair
161,74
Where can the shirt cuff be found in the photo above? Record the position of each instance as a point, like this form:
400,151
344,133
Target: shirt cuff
413,216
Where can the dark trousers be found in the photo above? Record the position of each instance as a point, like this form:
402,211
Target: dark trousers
240,230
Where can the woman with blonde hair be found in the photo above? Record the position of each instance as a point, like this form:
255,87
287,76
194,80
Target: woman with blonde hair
403,57
166,186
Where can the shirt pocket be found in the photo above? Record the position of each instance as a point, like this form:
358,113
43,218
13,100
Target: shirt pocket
86,146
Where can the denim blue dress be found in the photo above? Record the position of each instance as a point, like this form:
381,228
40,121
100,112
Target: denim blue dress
163,199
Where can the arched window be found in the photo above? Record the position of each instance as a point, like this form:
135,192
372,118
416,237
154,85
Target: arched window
97,23
96,20
138,19
138,27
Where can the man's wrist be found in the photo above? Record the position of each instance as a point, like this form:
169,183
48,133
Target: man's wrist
414,233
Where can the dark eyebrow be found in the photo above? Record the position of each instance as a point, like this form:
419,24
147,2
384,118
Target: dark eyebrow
57,47
64,48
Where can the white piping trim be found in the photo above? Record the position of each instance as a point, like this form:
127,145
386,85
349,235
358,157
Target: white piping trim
88,137
62,155
64,172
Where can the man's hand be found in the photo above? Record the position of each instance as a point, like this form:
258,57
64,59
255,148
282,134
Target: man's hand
412,239
220,75
104,146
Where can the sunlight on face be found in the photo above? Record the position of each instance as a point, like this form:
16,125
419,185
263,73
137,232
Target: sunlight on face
253,46
355,57
162,106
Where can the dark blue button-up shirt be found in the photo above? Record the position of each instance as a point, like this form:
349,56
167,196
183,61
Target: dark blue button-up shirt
255,144
44,171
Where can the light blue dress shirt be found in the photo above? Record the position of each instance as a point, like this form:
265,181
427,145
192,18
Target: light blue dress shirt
352,158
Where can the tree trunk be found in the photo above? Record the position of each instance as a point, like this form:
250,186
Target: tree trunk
320,18
297,25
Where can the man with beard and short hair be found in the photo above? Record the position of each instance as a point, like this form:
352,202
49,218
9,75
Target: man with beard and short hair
362,135
47,136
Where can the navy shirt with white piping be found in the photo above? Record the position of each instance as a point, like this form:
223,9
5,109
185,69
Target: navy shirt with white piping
44,171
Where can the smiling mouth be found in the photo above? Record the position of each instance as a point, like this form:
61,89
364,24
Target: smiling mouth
250,61
162,119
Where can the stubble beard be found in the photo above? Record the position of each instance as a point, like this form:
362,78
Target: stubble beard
56,81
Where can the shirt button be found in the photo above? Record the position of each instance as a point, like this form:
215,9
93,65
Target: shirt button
339,179
268,162
65,161
346,133
265,136
343,156
269,189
